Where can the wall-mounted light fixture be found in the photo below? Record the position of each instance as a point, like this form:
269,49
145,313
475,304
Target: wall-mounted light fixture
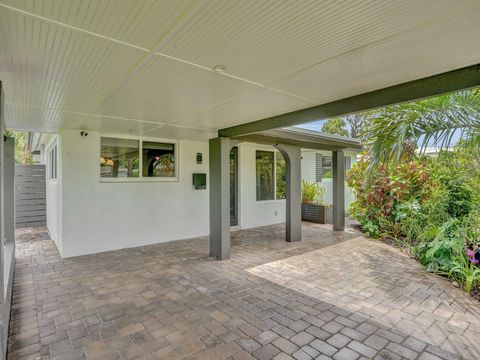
199,158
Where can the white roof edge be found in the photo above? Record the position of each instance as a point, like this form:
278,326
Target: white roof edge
321,134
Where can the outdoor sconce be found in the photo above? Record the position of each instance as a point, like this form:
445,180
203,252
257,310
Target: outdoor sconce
199,158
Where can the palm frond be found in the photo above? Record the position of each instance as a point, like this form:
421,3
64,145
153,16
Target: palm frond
400,129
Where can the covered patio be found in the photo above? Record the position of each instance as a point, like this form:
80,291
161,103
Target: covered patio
290,142
332,295
107,84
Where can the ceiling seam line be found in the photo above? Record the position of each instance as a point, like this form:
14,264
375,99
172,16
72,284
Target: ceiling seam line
148,51
151,52
74,28
83,114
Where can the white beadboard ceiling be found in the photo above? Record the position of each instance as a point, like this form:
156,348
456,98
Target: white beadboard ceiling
145,66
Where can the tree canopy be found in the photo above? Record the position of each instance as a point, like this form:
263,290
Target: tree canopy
335,126
22,153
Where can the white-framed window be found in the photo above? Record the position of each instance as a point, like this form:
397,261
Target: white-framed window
125,159
270,170
52,163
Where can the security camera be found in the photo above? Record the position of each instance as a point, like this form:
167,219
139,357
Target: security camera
84,133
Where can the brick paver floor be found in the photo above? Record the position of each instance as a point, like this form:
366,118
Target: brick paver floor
333,295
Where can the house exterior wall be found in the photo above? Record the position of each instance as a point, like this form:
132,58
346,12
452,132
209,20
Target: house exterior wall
53,190
308,173
87,215
100,216
255,213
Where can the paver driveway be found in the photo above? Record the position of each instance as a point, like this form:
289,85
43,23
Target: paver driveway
333,295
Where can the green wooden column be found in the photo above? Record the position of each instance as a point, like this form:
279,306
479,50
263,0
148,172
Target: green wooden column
338,167
219,191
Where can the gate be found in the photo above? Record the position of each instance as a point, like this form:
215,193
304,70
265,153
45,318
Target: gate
30,196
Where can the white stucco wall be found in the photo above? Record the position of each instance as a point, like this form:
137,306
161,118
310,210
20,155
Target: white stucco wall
100,216
54,191
255,213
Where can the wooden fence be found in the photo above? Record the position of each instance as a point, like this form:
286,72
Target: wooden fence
30,196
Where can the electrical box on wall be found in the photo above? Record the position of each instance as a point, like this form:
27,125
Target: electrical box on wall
199,181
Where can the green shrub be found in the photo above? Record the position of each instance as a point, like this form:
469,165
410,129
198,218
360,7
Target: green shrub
312,193
464,273
459,199
431,206
440,245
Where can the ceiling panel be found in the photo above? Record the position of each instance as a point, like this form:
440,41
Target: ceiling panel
413,55
181,132
86,63
140,22
46,66
164,90
31,119
255,105
268,40
52,121
107,125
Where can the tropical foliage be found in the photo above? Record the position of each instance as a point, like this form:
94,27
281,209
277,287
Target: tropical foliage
335,126
312,193
281,173
348,125
22,153
428,205
393,132
428,210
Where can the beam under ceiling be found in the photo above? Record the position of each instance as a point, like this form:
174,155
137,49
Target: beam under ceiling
455,80
303,138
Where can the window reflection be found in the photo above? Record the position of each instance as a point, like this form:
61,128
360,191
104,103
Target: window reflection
119,158
265,175
158,159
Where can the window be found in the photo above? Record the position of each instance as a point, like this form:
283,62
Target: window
119,158
327,171
52,163
265,175
134,158
281,176
270,175
348,163
158,159
324,169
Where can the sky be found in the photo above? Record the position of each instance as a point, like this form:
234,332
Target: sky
317,126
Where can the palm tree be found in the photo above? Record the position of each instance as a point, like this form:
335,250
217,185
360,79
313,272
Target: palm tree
393,132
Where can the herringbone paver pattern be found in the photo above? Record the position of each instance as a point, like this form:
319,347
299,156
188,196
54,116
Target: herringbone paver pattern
331,296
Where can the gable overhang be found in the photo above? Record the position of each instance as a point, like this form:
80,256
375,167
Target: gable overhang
303,138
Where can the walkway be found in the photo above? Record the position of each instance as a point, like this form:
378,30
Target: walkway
331,296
